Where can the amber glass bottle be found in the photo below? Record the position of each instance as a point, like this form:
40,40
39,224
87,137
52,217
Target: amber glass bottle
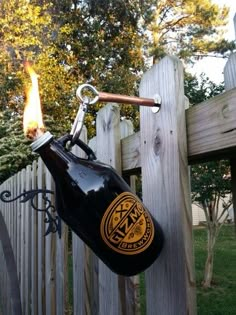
100,208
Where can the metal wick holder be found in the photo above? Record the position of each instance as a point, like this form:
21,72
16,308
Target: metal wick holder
155,103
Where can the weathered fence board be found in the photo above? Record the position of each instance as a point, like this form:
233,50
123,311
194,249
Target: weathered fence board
28,238
230,82
34,246
41,243
129,287
23,249
108,151
61,270
78,250
9,260
211,128
50,259
165,183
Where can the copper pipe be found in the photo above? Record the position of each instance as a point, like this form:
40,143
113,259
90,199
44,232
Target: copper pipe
118,98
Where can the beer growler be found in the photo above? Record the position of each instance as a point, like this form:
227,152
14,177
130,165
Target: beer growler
98,205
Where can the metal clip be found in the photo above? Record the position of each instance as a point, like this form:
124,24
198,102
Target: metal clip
91,89
79,120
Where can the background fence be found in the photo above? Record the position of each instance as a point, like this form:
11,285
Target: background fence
44,264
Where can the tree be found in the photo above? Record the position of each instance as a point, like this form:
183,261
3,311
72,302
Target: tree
28,32
104,43
211,190
189,28
200,89
210,182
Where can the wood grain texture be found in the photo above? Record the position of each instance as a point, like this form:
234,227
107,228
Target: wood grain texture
18,250
230,82
10,263
211,127
129,286
78,255
34,247
41,241
130,148
23,249
229,72
84,265
28,239
61,272
170,286
50,255
211,133
108,151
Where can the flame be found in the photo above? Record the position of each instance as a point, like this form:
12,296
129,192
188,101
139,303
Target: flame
32,119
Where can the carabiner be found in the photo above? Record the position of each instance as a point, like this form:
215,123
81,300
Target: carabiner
79,120
87,86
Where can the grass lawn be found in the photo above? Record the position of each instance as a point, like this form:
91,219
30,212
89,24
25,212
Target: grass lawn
221,298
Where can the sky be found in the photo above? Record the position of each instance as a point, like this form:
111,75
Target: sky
214,67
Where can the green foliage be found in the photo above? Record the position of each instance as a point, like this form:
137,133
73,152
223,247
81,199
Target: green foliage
189,28
220,299
14,147
105,43
209,180
200,89
211,183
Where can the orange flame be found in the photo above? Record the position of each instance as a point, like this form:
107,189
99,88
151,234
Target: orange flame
32,119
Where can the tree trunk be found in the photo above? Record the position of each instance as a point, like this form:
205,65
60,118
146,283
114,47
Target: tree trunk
212,233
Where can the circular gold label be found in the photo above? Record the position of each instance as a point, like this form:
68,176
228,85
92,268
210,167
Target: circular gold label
126,226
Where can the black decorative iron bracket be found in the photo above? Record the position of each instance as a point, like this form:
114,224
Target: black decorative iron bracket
53,221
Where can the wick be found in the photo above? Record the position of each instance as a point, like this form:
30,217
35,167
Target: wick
34,133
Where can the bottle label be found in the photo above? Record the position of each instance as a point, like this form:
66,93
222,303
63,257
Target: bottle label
126,226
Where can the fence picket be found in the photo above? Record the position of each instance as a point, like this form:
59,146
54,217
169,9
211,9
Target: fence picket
130,292
108,151
22,244
34,246
165,182
61,276
230,82
18,231
50,250
41,242
28,239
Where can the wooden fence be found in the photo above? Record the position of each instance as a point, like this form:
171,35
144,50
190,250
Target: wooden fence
45,264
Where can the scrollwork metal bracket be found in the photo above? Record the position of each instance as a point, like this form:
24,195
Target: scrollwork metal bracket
52,219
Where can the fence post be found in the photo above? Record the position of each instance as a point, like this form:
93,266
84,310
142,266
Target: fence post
170,285
230,83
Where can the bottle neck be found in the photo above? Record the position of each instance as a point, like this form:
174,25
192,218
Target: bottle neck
53,153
